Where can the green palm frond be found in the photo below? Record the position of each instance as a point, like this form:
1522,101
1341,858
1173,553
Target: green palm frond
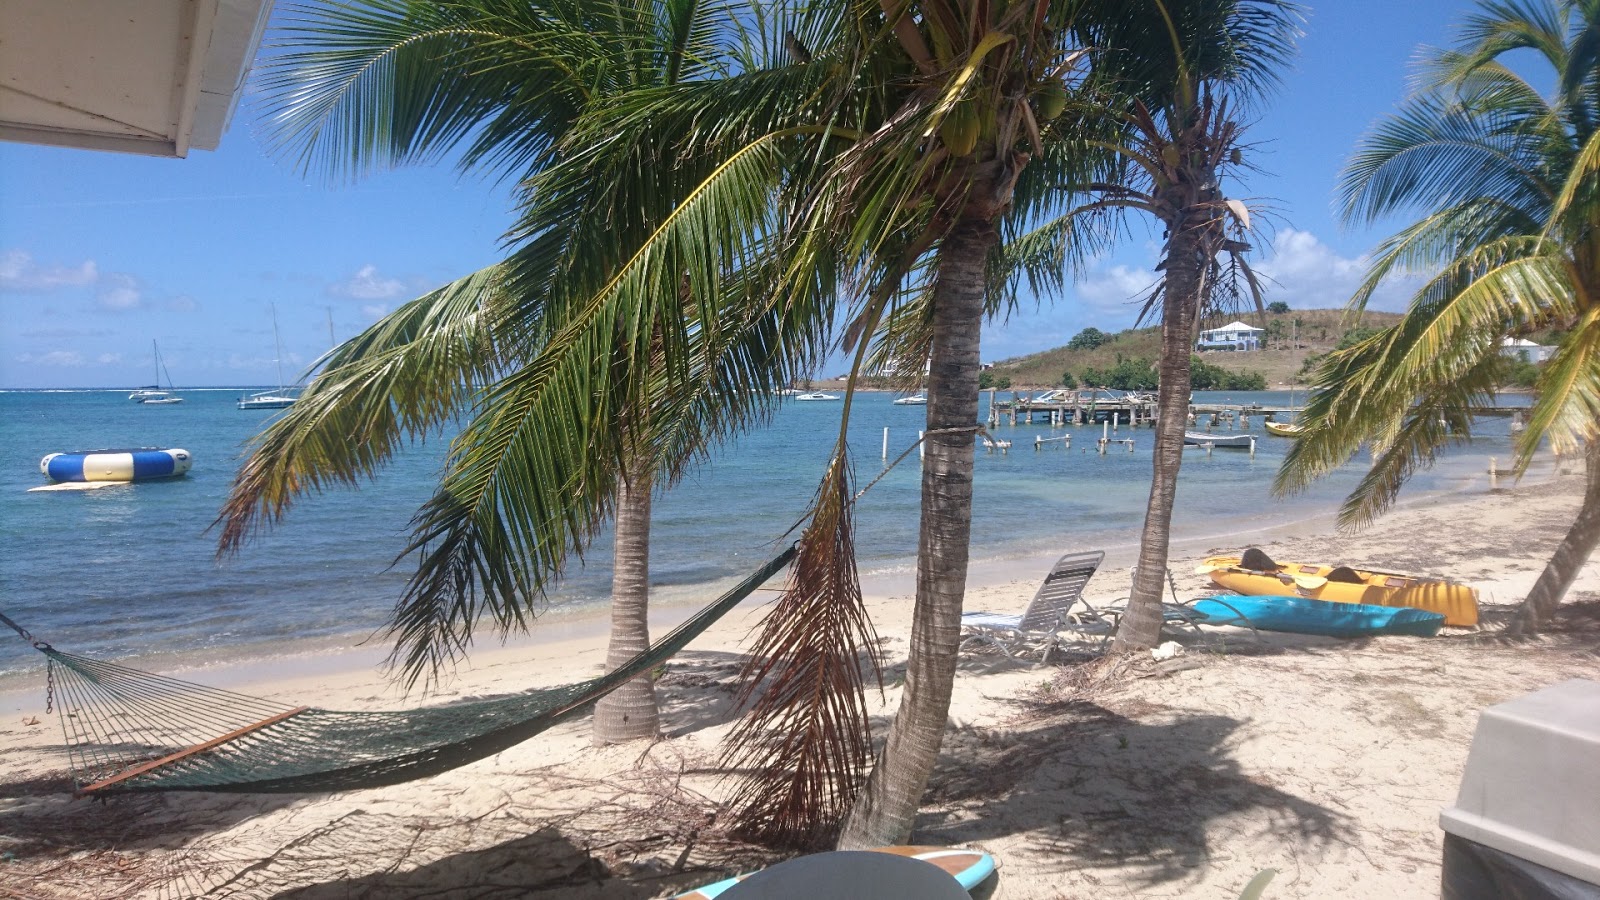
1579,195
1435,154
1414,438
1502,27
401,379
1566,408
1441,240
1442,348
389,82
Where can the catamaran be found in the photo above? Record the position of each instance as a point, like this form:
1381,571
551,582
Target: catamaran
154,395
280,398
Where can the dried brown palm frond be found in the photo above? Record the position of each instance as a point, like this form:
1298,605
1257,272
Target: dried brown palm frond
803,748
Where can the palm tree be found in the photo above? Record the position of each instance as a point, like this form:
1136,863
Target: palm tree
545,456
932,132
1171,79
902,157
1504,181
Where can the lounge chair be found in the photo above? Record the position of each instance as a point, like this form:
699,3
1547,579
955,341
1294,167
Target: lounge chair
1036,629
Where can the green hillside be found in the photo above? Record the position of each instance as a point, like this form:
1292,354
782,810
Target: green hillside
1291,337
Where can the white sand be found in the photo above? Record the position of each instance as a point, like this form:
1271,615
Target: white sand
1327,760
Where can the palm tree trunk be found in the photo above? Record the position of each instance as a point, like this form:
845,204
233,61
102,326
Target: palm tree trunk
887,807
1573,551
1140,627
630,711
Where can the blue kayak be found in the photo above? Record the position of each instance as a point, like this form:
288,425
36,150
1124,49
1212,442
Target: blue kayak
1304,616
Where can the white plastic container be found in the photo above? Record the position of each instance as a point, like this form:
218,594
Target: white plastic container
1532,784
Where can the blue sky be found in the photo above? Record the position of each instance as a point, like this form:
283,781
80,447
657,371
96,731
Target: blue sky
102,253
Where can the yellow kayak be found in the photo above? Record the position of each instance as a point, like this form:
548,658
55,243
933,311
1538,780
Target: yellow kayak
1284,429
1256,574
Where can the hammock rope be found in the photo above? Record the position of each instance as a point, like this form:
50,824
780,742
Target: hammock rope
130,731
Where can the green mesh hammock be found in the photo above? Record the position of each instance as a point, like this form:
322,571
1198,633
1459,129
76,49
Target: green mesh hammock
129,731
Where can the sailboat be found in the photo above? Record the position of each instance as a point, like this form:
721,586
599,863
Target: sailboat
276,399
154,396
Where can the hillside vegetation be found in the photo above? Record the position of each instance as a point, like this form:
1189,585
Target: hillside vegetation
1288,346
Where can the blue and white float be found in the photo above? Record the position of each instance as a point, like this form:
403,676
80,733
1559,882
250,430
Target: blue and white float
137,464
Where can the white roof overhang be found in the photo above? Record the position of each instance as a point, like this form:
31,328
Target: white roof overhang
158,77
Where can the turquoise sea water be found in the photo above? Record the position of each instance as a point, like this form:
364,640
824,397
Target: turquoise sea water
130,570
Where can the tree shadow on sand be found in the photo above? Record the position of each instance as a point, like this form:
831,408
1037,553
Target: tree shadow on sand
543,861
1096,789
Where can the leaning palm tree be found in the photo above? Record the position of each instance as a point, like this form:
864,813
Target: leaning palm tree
1504,180
902,165
1162,108
930,132
572,412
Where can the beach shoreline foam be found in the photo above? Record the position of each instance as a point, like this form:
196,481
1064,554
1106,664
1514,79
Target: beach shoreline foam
1325,759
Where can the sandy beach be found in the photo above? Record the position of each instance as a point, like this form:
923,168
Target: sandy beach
1327,760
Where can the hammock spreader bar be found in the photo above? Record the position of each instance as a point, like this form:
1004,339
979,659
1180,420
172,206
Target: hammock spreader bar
136,732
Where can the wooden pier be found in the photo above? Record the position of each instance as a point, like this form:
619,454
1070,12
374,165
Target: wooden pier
1093,407
1068,407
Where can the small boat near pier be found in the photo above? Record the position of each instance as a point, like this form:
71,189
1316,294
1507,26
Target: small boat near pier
1230,441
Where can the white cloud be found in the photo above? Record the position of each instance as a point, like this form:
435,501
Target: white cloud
65,359
1120,288
1307,274
367,284
109,359
375,311
119,293
182,303
18,272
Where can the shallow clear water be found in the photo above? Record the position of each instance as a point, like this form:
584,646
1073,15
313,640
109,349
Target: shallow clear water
130,569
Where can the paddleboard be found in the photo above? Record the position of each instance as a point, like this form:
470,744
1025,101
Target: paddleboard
968,867
1322,617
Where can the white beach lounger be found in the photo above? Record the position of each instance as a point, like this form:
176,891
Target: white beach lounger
1036,629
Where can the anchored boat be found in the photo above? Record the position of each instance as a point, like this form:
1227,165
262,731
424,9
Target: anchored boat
136,464
1234,441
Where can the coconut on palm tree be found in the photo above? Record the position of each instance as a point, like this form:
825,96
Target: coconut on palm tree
1503,180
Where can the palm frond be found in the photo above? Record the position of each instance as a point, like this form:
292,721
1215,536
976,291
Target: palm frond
401,379
803,746
1566,408
1413,440
385,82
1434,154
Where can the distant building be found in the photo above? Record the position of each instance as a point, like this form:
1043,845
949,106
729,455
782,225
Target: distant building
1527,351
1234,336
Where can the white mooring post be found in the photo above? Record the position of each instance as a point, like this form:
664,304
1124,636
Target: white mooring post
922,446
886,442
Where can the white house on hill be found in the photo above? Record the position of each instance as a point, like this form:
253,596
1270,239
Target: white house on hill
1525,350
1234,336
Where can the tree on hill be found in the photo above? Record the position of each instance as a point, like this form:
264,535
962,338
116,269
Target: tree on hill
1088,339
1278,307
